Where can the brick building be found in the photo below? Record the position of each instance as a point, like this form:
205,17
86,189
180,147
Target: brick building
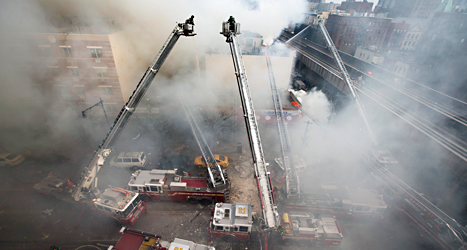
395,35
412,37
73,67
441,54
349,32
408,8
352,6
328,6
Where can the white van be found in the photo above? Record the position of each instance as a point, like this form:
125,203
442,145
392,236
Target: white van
133,160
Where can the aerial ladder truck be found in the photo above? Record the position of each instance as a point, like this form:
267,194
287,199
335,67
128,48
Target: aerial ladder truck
442,228
233,222
292,184
230,30
86,191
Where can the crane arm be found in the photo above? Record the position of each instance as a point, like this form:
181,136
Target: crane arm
230,30
88,180
345,74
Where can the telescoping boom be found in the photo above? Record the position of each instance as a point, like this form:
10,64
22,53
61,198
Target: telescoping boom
292,184
230,30
345,75
88,180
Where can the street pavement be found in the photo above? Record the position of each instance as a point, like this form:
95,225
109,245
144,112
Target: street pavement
29,220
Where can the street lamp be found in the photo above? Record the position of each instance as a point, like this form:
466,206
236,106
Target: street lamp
101,104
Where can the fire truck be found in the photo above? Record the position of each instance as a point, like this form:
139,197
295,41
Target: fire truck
169,185
160,185
341,202
137,240
123,205
235,222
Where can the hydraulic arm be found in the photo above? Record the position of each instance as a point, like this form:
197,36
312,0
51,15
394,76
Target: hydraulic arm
230,30
88,180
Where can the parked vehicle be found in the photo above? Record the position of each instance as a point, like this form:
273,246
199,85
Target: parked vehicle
163,185
133,160
7,159
221,160
383,155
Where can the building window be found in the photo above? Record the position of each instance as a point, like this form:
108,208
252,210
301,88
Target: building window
45,50
107,90
74,71
101,72
66,51
96,52
80,90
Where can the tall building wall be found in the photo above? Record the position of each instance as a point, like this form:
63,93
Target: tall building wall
348,33
408,8
77,67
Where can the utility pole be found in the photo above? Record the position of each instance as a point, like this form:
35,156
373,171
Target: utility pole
101,104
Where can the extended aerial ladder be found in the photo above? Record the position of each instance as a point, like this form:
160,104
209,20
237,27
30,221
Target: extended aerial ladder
215,172
456,238
230,30
292,184
88,180
345,75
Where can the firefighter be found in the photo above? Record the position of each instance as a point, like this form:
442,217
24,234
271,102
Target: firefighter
231,22
360,81
281,229
190,20
85,190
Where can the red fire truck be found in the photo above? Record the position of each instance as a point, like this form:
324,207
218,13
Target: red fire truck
123,205
341,202
168,185
138,240
234,222
120,204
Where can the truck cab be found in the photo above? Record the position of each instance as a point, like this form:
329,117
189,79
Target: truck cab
232,222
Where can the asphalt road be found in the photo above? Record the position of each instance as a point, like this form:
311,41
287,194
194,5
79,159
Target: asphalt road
29,220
